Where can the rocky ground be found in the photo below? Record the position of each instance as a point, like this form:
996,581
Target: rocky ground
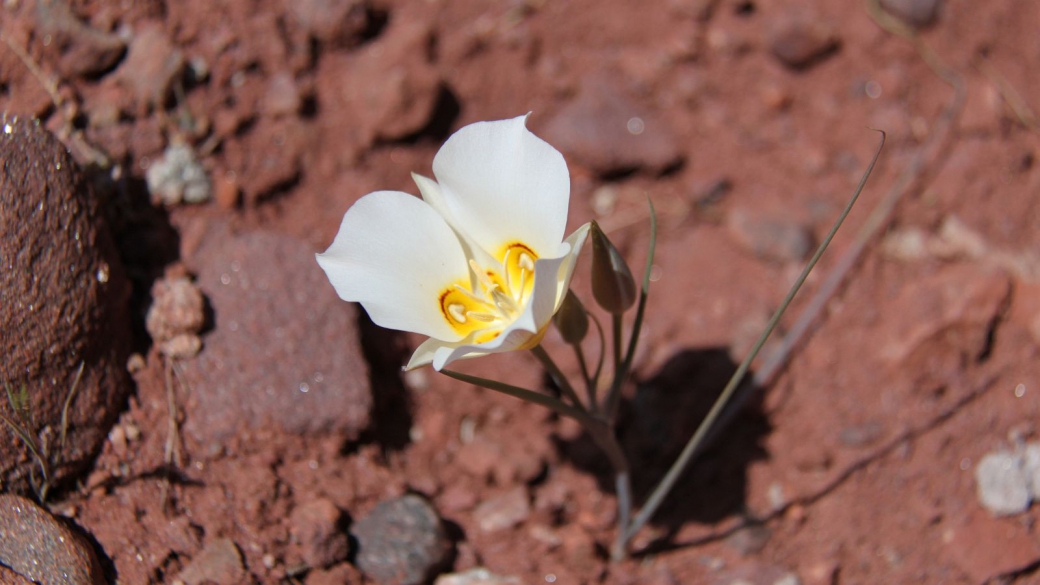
207,410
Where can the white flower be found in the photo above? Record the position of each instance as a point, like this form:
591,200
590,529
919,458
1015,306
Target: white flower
479,264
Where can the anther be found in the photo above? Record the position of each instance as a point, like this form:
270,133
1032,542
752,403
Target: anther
526,262
482,317
457,312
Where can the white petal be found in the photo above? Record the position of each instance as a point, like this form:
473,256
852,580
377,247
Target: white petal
502,184
394,254
433,195
552,278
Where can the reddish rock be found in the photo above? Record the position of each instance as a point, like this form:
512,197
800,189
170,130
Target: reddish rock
284,348
177,313
391,83
918,13
219,562
801,40
604,130
65,304
39,547
504,511
151,65
76,47
337,22
315,526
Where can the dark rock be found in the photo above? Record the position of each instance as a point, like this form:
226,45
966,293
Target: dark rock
504,511
65,305
79,49
341,23
151,66
399,92
284,347
918,13
770,237
402,541
604,130
315,525
799,41
39,547
219,562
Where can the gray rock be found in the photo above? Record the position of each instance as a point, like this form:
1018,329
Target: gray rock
918,13
36,545
1031,466
219,562
504,511
1001,483
178,177
801,40
284,348
64,305
315,526
402,541
604,130
770,237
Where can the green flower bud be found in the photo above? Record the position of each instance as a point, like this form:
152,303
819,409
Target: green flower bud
612,284
571,320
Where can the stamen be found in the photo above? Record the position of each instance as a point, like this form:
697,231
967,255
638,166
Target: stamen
457,312
523,287
505,265
526,262
482,277
472,296
482,317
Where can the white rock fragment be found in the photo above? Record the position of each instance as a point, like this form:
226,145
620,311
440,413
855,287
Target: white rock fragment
178,177
1002,483
1031,466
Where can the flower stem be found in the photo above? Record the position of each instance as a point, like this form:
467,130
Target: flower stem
557,376
557,406
590,389
662,489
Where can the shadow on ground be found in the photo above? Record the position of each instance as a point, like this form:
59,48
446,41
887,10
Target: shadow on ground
656,423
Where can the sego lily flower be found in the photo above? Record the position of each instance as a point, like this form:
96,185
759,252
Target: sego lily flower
479,264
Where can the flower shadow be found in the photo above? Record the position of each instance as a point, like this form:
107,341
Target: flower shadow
656,422
385,350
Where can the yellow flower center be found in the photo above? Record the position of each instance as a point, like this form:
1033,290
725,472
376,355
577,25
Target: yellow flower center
499,298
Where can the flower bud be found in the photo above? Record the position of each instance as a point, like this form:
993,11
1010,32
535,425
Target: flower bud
571,320
612,284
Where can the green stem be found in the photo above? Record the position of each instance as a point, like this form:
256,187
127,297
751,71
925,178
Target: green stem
672,476
557,406
621,373
557,375
590,389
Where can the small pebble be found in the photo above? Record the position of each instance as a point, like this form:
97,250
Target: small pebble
918,13
1002,484
401,541
178,177
799,41
504,511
